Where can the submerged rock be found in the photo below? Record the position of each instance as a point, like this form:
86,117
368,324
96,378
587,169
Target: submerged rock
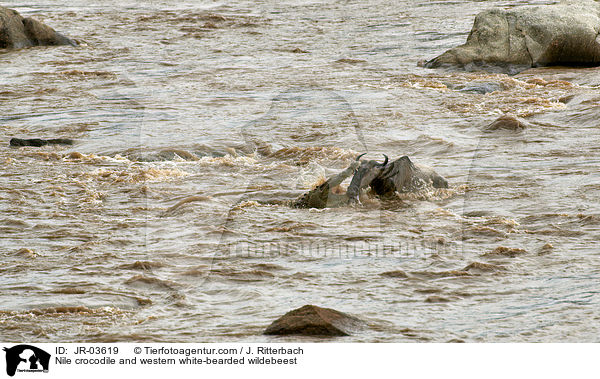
437,299
17,32
506,122
480,88
513,40
38,142
395,274
480,268
311,320
506,252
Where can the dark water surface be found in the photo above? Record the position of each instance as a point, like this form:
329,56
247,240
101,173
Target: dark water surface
189,117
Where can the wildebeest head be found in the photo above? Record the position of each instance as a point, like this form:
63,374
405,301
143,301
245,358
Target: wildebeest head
366,172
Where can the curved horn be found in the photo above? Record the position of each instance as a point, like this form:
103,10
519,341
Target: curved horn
357,158
384,162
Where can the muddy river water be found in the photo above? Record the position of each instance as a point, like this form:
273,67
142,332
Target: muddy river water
194,122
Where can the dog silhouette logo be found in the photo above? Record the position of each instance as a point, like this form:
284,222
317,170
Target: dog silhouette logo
26,358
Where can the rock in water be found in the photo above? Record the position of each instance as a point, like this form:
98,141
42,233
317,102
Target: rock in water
513,40
480,88
506,122
17,32
311,320
38,142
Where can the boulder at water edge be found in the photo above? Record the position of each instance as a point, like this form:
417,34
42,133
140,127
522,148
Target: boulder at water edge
18,32
544,35
311,320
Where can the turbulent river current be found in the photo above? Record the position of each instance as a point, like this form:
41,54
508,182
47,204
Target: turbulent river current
196,121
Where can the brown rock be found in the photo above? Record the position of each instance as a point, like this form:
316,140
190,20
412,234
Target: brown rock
395,274
75,155
506,252
506,122
311,320
439,274
479,267
436,299
546,249
27,253
17,32
298,50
